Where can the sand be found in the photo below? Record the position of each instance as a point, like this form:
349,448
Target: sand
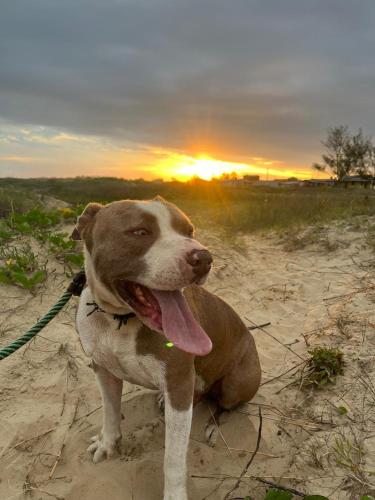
322,294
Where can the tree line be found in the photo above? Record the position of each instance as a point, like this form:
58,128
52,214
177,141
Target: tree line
347,153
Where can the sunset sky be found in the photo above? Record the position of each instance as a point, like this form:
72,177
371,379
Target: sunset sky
174,88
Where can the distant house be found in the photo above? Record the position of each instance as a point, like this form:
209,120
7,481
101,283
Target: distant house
348,180
280,183
246,179
319,182
357,180
291,182
267,183
249,179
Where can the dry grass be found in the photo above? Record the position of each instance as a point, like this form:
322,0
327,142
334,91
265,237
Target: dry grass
232,209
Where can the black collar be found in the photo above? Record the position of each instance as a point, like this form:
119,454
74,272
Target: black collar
121,318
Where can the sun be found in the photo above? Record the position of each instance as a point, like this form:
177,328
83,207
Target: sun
204,167
183,167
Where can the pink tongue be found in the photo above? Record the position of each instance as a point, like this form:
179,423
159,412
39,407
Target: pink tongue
179,324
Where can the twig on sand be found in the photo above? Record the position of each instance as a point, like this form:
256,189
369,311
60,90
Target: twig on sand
304,424
230,452
231,476
293,382
255,327
240,450
58,456
219,431
275,339
284,373
250,461
38,436
27,484
354,292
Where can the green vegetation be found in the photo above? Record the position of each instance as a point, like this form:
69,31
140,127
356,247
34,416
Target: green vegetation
274,494
15,198
348,453
21,267
285,494
231,209
19,264
5,233
37,221
324,365
64,248
34,222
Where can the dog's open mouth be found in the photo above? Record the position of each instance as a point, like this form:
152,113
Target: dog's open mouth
169,313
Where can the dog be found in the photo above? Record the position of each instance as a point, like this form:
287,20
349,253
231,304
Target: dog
145,318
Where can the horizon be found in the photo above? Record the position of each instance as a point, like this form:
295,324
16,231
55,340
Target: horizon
187,180
170,90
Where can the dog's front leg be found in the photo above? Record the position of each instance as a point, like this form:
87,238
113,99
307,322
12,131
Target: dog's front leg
178,415
105,445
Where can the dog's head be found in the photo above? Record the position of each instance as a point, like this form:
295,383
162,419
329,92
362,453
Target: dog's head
144,253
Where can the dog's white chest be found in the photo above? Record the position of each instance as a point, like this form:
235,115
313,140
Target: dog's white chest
115,348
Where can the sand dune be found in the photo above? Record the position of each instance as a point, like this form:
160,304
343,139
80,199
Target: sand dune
50,405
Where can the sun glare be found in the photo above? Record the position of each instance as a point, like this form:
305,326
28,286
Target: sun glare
172,165
205,167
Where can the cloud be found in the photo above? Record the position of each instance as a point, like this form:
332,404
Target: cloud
238,80
18,159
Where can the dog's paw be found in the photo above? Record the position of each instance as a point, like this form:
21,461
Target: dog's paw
104,447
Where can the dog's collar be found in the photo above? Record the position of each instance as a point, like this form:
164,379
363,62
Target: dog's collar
121,318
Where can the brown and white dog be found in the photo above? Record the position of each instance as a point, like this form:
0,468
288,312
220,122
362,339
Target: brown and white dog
143,266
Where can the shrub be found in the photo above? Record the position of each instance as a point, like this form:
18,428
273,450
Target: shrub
324,365
21,267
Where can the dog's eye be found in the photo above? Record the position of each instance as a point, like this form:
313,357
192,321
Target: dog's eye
191,233
140,232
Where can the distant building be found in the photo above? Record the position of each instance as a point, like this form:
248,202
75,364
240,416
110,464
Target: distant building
232,181
319,182
286,183
357,180
251,178
347,181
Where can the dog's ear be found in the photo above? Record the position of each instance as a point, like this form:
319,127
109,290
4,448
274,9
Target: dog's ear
85,220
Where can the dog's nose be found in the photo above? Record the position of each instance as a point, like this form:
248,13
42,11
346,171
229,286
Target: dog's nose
200,261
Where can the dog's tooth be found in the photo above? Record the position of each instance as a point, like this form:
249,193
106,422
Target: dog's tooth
141,297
